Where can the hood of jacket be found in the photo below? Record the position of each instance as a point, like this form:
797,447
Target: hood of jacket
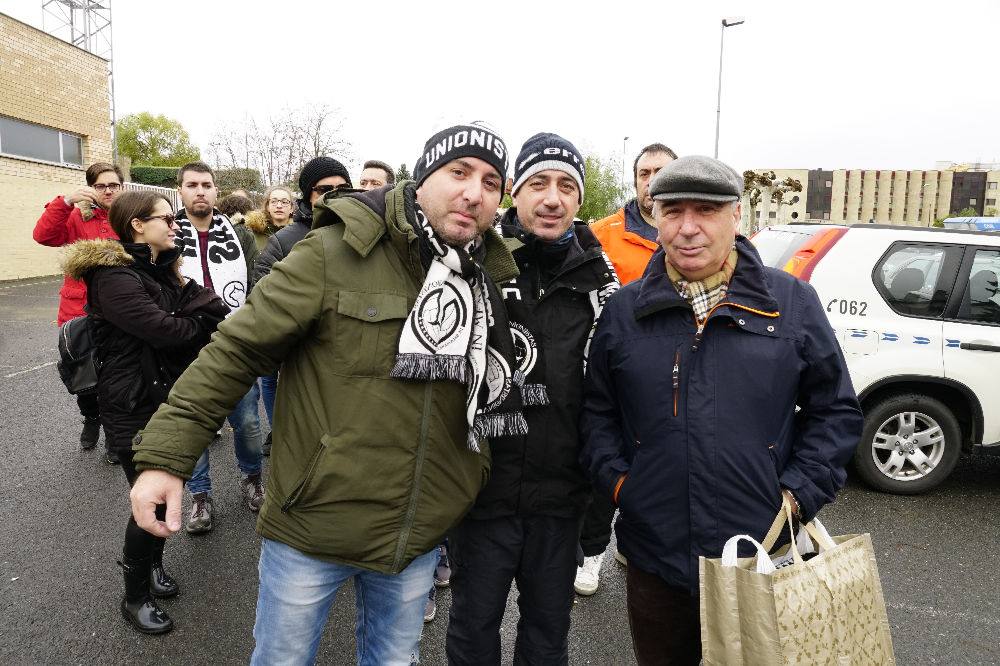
85,255
257,222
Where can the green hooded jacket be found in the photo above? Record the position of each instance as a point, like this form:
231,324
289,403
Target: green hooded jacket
365,470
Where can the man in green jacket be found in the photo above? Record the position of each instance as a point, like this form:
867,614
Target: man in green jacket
396,359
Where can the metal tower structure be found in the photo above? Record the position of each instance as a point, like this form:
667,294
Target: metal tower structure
87,25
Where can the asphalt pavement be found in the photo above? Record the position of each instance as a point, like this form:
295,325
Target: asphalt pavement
63,513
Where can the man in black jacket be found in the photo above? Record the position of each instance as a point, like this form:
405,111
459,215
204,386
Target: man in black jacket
525,524
319,176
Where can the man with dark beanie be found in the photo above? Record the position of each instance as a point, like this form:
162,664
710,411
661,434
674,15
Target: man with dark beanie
397,370
525,525
319,176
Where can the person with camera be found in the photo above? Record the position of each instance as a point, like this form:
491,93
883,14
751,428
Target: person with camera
81,214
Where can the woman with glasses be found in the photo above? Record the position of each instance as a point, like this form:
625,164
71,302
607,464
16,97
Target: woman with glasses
148,324
275,212
67,219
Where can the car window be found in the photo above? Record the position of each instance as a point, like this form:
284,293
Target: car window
776,246
980,302
908,280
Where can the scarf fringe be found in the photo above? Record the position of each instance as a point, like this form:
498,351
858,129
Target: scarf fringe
421,366
534,395
491,426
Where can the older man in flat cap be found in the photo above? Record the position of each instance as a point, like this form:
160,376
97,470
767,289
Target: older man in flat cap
695,373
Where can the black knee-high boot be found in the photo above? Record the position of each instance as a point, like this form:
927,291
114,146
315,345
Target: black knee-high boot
138,606
161,584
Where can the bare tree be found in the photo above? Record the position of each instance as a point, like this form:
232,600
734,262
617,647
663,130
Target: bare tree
278,146
764,187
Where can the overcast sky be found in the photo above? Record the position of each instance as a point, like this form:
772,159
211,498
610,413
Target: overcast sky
849,84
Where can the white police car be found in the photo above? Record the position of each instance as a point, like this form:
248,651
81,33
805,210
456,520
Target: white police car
917,314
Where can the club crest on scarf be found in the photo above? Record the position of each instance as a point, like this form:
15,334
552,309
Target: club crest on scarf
442,315
452,333
525,349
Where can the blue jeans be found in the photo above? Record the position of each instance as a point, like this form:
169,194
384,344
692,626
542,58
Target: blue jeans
268,388
296,592
245,420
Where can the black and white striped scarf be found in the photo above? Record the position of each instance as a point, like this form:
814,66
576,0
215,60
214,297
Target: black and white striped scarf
458,331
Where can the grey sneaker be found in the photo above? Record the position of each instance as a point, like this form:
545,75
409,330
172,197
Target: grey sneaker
253,491
200,520
430,610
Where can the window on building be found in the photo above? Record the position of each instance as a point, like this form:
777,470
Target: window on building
991,186
40,143
829,184
972,202
826,216
772,215
991,202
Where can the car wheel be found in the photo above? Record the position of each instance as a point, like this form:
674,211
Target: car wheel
910,444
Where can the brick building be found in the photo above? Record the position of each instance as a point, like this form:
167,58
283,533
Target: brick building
55,119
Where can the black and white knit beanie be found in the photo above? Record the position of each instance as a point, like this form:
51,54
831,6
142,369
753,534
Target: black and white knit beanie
548,151
472,140
319,168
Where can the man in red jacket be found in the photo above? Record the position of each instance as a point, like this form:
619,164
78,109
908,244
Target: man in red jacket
82,214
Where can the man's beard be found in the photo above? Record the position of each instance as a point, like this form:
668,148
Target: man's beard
648,212
200,209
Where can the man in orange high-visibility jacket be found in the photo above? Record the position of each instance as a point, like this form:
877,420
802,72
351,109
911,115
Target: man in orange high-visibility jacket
629,236
629,240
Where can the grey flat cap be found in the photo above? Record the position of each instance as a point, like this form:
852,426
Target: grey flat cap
699,178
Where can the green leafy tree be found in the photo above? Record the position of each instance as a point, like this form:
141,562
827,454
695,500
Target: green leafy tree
969,211
603,191
403,173
155,140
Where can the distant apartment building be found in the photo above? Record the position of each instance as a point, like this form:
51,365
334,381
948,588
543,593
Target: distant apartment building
884,196
55,119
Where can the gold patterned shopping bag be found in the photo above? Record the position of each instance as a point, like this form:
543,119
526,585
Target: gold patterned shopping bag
827,609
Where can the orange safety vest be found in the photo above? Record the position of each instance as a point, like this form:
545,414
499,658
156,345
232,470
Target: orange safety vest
629,252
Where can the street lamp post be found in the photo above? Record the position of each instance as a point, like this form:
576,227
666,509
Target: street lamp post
726,23
624,159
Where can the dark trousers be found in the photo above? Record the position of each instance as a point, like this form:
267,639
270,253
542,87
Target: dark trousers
596,534
538,552
664,621
87,403
139,544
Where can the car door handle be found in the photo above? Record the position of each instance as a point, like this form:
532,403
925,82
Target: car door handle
975,346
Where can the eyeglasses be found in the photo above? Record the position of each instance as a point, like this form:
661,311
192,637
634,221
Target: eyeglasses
111,187
280,202
323,189
166,217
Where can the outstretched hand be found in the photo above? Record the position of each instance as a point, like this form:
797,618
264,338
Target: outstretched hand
154,486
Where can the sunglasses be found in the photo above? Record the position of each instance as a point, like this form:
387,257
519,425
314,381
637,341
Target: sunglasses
323,189
166,217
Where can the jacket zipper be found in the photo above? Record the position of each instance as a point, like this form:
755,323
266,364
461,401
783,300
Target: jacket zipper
677,377
404,533
700,325
294,497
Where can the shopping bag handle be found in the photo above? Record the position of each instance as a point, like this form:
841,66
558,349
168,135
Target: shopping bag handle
820,535
784,516
815,529
729,554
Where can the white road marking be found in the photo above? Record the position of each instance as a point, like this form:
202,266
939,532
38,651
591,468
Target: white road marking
933,612
24,372
27,284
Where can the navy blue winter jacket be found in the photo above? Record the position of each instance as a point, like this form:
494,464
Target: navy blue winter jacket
704,431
